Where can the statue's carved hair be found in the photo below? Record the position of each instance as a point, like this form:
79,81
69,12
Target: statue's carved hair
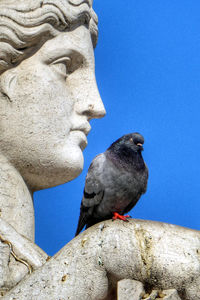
26,24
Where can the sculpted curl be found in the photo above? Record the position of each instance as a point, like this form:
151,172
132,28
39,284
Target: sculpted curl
26,25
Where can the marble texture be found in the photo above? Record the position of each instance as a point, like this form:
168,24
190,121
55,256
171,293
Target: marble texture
162,256
129,289
48,95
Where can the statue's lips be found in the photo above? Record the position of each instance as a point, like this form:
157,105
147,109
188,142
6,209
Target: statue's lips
78,137
79,133
84,127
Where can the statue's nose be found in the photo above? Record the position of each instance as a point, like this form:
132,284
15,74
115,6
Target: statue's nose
87,98
93,106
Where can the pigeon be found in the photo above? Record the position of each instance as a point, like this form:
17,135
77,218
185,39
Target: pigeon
114,183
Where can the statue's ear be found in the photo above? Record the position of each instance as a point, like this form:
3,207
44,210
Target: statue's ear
7,84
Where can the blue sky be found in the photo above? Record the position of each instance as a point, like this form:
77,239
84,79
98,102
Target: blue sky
148,74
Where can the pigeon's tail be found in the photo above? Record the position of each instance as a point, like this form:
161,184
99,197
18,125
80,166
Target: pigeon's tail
93,221
80,226
82,220
85,220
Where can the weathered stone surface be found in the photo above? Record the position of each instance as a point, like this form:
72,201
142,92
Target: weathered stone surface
48,95
170,294
154,295
129,289
166,256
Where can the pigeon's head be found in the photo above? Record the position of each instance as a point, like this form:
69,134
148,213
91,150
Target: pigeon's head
133,141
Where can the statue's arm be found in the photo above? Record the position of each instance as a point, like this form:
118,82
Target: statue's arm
24,248
160,255
18,256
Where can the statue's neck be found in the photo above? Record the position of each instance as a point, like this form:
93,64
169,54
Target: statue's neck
16,204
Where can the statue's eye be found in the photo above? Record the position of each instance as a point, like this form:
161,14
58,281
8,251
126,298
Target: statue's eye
62,65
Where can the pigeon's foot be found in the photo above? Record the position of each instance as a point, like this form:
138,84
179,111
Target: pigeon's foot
120,217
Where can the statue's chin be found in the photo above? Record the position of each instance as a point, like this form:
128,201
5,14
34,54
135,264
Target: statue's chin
65,167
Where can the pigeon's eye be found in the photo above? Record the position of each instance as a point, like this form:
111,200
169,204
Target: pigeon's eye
131,139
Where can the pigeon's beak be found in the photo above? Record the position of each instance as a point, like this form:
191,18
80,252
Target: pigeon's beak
140,146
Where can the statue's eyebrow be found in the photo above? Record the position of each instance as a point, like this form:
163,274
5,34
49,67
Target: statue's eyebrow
51,56
77,58
63,46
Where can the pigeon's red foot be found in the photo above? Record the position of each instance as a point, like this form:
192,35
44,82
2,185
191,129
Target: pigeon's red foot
120,217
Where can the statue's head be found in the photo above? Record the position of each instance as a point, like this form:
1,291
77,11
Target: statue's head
48,91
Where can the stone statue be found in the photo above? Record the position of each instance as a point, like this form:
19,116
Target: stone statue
48,94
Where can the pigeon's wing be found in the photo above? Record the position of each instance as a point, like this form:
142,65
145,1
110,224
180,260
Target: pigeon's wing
143,187
132,204
93,191
144,179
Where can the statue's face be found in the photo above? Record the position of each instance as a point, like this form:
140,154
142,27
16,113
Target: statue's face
52,96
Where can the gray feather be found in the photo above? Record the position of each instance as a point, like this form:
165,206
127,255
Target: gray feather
115,181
